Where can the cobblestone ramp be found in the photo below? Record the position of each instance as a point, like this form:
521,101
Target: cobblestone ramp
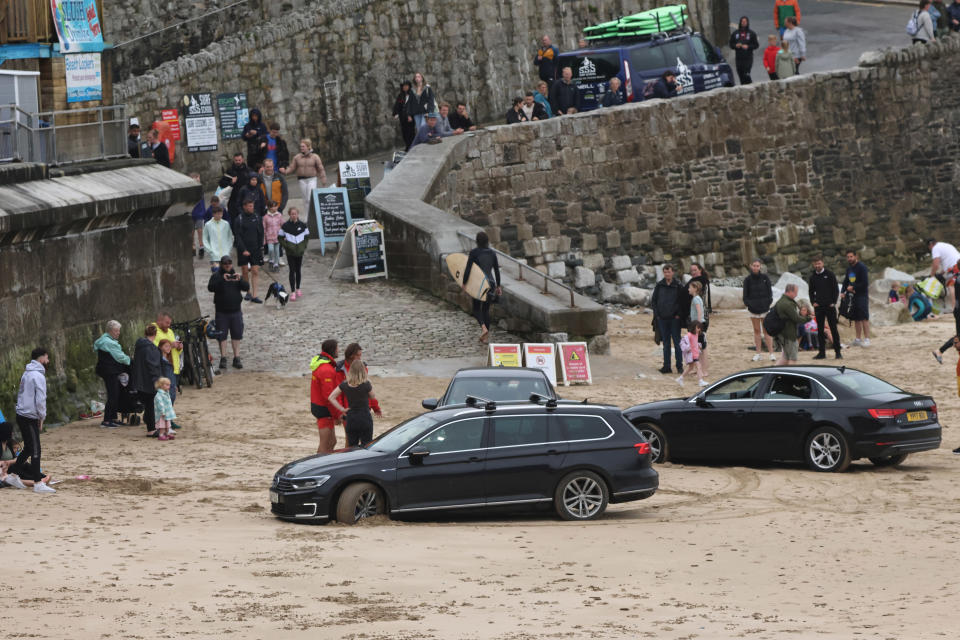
396,324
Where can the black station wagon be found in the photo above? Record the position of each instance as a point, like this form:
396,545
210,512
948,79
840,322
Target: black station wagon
575,457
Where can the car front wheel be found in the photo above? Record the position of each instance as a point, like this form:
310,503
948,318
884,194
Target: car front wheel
658,442
358,501
581,495
827,450
890,461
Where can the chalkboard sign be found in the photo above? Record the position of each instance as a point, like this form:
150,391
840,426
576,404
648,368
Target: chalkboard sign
330,215
369,251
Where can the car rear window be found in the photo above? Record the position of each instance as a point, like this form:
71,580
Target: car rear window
592,67
583,427
864,383
509,431
498,389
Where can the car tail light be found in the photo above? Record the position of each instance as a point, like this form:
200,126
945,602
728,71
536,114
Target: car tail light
627,82
933,410
881,414
643,448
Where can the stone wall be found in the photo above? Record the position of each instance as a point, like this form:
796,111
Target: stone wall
865,157
330,71
78,250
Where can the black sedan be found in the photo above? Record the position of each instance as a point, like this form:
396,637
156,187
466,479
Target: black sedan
826,416
577,458
500,384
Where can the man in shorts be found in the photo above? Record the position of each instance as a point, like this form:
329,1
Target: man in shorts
856,282
228,287
946,261
324,379
248,236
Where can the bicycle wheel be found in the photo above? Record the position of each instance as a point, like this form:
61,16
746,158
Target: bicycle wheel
186,364
206,362
197,365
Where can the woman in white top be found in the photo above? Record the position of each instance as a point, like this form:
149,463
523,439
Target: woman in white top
924,32
796,39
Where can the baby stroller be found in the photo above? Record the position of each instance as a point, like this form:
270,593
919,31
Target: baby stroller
130,406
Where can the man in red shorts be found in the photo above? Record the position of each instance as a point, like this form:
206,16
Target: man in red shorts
324,379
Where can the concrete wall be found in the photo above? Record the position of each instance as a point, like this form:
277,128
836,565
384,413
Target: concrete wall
330,70
78,250
865,157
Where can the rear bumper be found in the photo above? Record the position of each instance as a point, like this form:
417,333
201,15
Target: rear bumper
883,449
641,486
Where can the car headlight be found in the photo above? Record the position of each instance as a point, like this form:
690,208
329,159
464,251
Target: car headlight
310,482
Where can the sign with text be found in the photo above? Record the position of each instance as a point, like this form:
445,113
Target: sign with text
77,24
199,121
574,363
354,169
504,355
329,216
369,250
84,82
543,357
172,118
234,114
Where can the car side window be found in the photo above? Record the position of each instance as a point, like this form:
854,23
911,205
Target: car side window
582,427
787,387
739,388
462,435
511,431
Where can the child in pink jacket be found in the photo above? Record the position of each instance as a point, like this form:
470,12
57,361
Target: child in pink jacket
690,347
272,221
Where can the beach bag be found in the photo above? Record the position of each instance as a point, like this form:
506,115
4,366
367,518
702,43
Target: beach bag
846,306
773,323
913,25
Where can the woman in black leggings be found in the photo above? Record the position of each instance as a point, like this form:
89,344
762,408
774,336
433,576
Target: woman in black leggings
293,237
486,259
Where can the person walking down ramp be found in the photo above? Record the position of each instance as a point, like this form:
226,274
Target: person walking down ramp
484,257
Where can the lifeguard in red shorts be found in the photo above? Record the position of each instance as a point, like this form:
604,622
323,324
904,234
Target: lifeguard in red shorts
323,380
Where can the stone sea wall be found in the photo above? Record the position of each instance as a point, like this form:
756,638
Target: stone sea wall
330,71
863,158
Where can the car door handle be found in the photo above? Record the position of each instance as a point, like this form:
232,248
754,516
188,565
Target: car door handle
803,412
552,452
475,459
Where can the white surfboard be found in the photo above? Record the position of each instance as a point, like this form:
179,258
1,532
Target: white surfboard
477,283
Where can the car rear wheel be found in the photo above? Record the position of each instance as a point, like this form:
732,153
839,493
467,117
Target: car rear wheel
658,442
581,495
827,450
890,461
358,501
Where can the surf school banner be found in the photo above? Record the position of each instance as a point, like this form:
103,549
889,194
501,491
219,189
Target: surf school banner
78,26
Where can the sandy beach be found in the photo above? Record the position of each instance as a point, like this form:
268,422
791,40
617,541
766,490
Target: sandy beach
171,540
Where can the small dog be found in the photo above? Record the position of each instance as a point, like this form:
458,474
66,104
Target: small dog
277,291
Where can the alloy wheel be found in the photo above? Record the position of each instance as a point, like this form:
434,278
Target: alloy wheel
825,450
366,505
583,497
654,441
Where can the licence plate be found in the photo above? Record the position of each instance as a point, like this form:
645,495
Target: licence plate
274,497
916,416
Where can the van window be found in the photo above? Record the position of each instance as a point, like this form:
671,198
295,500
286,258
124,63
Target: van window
677,49
591,67
661,56
705,51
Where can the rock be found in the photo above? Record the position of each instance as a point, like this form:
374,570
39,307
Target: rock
599,345
583,277
556,269
608,292
884,314
593,261
628,276
560,336
881,286
634,295
792,278
895,274
619,263
726,297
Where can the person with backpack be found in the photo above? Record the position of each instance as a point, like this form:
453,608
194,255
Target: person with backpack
920,26
757,298
789,317
824,291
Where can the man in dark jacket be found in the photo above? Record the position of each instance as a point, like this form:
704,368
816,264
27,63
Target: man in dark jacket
159,150
228,287
546,60
666,308
235,177
255,135
666,86
564,95
144,373
744,42
856,282
248,237
614,97
757,298
823,295
133,141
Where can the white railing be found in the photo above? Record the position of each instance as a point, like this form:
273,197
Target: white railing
62,137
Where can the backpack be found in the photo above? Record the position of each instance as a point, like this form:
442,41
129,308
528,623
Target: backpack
846,306
913,25
772,323
648,89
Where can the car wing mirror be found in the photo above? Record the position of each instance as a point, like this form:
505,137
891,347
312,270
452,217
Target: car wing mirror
702,402
430,404
418,455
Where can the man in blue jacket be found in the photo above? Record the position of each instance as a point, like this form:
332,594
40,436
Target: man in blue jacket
856,282
31,412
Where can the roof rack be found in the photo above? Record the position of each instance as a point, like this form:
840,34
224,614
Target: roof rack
488,405
536,398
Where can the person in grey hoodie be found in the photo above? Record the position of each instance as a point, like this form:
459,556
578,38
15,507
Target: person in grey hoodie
31,412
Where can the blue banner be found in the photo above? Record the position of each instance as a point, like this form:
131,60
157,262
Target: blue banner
84,82
77,24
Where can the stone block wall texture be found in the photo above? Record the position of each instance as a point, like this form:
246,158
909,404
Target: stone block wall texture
865,157
330,71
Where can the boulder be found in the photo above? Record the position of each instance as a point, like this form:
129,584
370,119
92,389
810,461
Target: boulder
583,278
556,269
619,263
881,286
628,276
633,296
608,292
593,261
885,314
791,278
726,297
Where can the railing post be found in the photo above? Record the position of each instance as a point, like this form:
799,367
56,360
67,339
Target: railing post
53,135
520,271
103,147
545,283
572,303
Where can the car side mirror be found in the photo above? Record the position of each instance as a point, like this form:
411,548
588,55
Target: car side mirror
702,402
417,455
430,404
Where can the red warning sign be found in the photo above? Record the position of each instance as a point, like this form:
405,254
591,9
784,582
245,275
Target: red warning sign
575,362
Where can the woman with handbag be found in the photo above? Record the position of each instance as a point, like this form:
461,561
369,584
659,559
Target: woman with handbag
484,257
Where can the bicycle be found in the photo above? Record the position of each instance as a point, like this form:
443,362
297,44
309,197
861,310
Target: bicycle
196,366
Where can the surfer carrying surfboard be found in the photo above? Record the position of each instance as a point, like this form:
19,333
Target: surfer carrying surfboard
485,258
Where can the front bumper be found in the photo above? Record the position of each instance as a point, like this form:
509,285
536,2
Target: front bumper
302,505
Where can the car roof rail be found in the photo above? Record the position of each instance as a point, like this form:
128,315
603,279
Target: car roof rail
488,405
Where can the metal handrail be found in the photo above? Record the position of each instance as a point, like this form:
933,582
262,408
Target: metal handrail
30,133
540,274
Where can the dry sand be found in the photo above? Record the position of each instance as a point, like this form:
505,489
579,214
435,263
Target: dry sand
175,539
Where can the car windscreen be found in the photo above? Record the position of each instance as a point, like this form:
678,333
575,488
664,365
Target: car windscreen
591,67
704,50
661,56
403,433
498,389
864,384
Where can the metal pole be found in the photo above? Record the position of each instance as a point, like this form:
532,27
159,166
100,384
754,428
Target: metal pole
103,148
53,127
545,282
520,271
